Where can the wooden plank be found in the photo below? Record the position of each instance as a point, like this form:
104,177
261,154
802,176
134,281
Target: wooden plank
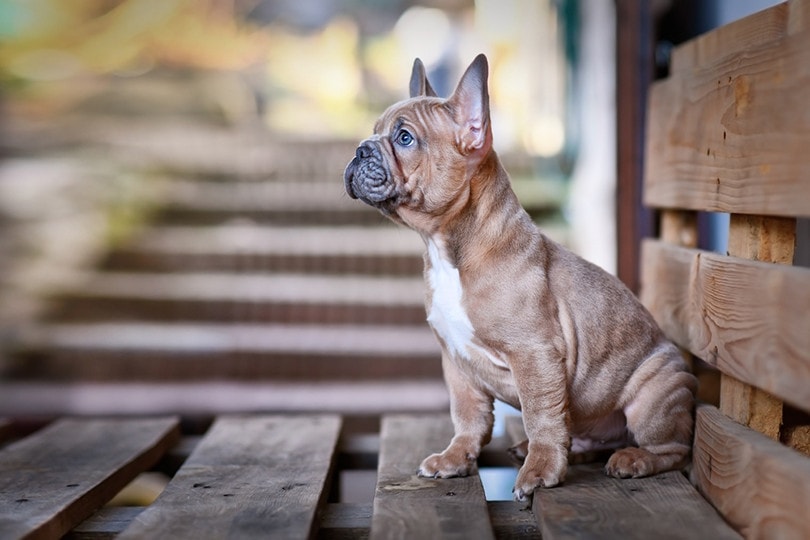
799,20
249,477
345,521
764,239
760,486
731,135
679,227
105,524
340,521
54,479
592,505
756,30
746,318
751,406
407,506
512,521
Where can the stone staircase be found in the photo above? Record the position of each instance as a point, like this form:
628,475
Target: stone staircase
246,291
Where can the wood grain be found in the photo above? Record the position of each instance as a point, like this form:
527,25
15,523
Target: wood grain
799,19
406,506
762,238
250,477
747,318
54,479
767,239
591,505
754,31
760,486
729,129
679,227
751,406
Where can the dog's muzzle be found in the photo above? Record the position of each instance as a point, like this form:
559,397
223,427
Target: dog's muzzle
366,176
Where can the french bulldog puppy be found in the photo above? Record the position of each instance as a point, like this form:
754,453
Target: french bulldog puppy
519,317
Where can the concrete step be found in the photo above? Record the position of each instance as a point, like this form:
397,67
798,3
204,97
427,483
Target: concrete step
196,201
134,351
256,248
37,398
291,298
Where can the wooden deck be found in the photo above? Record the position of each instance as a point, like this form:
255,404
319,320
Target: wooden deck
279,476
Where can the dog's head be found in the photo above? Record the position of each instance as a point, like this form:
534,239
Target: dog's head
416,167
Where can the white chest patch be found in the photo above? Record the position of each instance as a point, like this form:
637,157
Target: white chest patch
447,315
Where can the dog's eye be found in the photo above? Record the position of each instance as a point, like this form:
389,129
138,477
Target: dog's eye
404,138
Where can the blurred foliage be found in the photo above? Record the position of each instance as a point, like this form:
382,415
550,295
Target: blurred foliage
57,39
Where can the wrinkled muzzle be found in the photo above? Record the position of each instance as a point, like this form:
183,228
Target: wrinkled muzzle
366,176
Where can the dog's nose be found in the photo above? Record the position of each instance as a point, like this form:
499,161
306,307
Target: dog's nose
364,151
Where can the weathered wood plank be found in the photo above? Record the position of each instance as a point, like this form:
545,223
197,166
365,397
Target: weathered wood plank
771,240
747,318
592,505
799,19
406,506
512,521
751,406
249,477
54,479
750,32
679,227
760,486
343,521
730,127
105,524
762,238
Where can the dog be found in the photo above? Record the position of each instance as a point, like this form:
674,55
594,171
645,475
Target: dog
519,317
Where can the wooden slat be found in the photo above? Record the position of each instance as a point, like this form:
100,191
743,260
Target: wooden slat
249,477
799,20
511,521
771,240
760,486
54,479
679,227
345,521
593,505
747,318
105,524
406,506
756,30
731,134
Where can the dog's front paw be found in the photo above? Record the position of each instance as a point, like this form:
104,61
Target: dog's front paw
450,463
545,466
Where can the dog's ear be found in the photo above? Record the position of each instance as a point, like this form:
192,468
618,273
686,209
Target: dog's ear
419,84
470,106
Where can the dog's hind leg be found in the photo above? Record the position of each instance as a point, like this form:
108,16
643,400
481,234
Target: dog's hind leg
659,417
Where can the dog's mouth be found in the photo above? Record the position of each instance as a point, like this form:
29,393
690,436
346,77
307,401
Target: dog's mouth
367,178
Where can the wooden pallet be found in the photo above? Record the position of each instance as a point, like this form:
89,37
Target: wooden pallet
729,132
260,476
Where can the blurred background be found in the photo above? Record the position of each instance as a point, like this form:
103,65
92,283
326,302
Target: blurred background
103,100
174,233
